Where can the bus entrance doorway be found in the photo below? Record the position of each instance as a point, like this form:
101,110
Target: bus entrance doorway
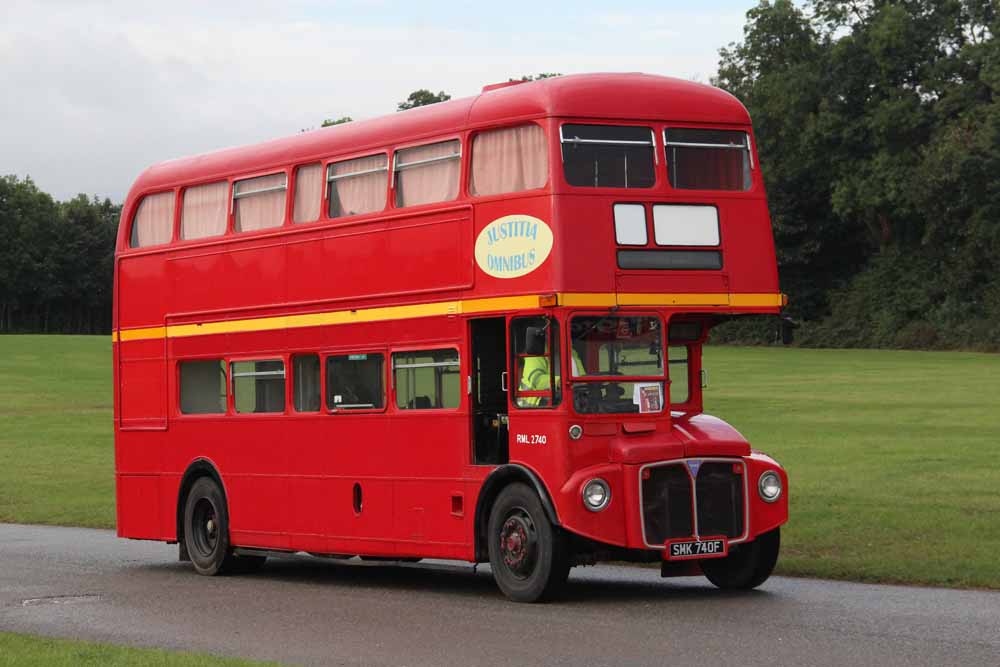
489,391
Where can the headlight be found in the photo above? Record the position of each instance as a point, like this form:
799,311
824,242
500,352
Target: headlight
596,495
769,486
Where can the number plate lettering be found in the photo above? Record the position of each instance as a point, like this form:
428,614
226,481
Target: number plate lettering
712,547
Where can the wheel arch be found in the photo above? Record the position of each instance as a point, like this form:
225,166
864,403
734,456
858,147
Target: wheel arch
497,480
197,469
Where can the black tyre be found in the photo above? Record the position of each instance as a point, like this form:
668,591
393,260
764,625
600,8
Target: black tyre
206,532
528,555
747,565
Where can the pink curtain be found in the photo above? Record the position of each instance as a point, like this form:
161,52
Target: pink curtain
431,182
509,160
154,222
308,192
204,210
364,193
256,206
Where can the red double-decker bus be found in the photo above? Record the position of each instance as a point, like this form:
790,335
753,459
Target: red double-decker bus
470,331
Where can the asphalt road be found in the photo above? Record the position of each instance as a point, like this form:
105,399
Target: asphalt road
88,584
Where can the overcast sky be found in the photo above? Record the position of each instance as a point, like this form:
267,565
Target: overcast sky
94,92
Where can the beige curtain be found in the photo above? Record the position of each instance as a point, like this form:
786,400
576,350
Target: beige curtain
204,210
308,193
154,221
509,160
431,182
364,193
255,209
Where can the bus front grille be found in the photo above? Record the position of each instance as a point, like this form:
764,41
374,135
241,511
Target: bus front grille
667,511
666,504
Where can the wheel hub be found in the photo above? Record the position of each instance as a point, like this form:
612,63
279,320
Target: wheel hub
518,545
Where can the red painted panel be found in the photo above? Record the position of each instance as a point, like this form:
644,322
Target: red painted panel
143,392
138,506
224,278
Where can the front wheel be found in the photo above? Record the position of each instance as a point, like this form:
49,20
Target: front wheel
528,555
747,565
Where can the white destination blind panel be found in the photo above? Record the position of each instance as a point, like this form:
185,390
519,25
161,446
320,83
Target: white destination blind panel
684,225
630,224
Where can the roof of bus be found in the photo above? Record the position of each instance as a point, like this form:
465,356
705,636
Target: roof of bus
600,96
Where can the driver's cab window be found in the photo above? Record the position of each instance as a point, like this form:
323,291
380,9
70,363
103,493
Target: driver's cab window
535,362
618,364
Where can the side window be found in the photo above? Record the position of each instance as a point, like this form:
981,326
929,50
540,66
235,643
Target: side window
358,186
677,359
308,193
305,382
154,221
204,210
203,387
427,174
259,203
258,386
426,379
535,355
355,382
608,156
707,159
509,160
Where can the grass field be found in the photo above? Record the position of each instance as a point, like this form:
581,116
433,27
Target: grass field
27,651
893,456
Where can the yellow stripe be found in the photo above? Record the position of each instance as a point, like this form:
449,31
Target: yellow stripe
757,300
442,308
588,299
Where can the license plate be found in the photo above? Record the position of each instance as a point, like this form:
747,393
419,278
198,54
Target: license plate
707,547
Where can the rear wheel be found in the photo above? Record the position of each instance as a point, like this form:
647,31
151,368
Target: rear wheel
528,555
206,532
747,565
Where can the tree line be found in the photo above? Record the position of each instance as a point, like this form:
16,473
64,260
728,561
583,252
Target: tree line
56,261
878,127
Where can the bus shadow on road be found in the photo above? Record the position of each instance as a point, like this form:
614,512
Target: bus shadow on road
615,585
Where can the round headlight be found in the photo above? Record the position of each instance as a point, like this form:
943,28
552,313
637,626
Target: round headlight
596,495
769,486
575,431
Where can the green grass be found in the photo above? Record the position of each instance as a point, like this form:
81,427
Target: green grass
24,650
894,457
56,430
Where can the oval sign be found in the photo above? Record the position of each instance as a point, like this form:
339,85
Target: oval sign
513,246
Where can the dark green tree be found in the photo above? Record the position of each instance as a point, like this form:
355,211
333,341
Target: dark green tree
339,121
422,97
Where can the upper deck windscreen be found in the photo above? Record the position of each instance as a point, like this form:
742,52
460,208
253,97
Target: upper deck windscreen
608,156
700,159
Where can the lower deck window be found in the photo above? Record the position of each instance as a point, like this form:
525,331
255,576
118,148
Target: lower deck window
305,382
203,387
354,382
258,386
426,379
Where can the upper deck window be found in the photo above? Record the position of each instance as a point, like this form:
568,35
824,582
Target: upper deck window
509,160
204,210
608,156
358,186
259,203
154,221
708,159
308,192
427,174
